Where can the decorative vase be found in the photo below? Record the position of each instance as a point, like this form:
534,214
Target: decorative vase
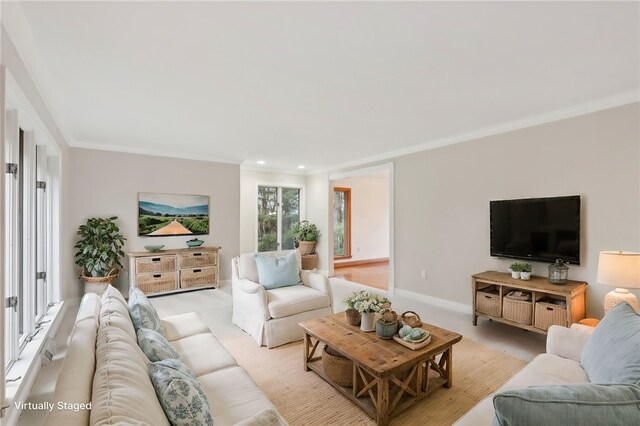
306,247
515,274
525,276
558,272
386,331
367,323
353,316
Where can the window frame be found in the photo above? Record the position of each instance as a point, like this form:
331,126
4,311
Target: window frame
279,188
347,220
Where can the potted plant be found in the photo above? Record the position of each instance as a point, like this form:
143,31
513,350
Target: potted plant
368,303
525,271
353,316
306,235
515,269
99,250
387,324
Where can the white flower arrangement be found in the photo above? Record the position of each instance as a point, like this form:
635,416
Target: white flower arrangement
366,302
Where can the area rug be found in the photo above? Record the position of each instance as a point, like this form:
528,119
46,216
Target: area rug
303,398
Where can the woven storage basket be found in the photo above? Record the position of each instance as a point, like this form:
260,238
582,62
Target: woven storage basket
197,277
519,311
153,283
306,247
548,314
411,319
165,263
488,303
197,259
337,368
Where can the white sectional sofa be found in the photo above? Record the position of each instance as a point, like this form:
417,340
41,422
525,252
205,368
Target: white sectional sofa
105,366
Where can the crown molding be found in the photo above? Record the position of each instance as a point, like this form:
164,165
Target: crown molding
609,102
267,169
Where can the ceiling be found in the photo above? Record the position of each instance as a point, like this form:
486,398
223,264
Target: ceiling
321,84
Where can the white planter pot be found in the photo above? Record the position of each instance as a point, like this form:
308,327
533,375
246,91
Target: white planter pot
515,274
525,276
368,321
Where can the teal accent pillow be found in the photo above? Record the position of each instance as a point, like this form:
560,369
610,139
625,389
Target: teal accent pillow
278,272
180,393
142,312
578,404
612,353
155,346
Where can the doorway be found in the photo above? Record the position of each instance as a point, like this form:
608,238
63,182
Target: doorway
361,218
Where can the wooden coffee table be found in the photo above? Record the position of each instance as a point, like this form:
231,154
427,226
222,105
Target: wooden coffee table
387,377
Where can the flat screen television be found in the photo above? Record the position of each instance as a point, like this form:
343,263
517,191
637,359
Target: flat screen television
541,229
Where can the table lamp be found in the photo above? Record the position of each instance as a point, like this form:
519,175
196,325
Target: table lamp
620,269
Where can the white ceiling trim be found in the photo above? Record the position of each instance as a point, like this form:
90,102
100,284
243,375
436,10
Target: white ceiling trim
534,120
267,169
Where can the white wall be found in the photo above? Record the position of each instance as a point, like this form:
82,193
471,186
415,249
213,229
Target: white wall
441,199
369,215
249,181
107,184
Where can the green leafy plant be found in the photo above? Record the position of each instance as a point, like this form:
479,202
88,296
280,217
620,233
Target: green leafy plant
516,267
305,231
366,302
525,267
100,247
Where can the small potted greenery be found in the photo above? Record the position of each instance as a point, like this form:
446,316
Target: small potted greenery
99,250
306,235
387,324
515,269
525,271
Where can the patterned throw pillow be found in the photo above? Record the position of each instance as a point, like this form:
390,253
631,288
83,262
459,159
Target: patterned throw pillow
143,315
180,394
155,346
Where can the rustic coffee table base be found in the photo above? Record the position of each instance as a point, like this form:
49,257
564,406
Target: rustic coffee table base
393,392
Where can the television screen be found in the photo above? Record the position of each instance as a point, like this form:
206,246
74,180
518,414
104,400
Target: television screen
164,215
542,229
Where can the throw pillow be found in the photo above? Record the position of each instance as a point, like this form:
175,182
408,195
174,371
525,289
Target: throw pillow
155,346
143,315
612,353
180,393
278,272
583,404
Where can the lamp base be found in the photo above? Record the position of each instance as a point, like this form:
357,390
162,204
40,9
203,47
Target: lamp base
619,295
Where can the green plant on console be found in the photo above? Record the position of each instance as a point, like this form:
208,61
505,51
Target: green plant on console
100,247
305,231
525,267
516,267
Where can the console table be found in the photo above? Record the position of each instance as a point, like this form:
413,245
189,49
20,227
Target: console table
169,271
550,304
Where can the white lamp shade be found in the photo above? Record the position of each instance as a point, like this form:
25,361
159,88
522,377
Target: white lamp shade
619,269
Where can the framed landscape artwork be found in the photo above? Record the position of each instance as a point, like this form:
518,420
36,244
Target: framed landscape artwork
162,215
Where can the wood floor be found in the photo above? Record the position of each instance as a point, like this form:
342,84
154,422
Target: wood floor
372,274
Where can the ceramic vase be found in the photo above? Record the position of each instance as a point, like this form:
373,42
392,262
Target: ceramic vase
525,276
367,323
386,331
515,274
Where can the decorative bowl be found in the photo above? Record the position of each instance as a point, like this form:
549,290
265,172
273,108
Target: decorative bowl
195,243
154,248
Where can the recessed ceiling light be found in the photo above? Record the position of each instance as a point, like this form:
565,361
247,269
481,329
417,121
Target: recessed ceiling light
301,166
261,162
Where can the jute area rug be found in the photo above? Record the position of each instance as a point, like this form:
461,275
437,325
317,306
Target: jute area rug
303,398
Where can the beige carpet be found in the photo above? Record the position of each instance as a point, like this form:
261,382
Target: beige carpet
303,398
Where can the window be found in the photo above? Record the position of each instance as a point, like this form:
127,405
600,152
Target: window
26,250
278,211
342,223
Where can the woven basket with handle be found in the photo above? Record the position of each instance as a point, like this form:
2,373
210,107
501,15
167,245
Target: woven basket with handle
411,319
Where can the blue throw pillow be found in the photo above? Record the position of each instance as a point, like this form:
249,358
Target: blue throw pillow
155,346
180,394
280,272
580,404
612,353
142,312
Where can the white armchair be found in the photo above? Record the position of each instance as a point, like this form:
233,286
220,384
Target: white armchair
271,317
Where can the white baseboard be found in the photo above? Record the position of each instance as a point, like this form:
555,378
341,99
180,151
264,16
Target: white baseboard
425,298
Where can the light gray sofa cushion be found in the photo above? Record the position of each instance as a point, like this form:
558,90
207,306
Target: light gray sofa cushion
612,353
582,404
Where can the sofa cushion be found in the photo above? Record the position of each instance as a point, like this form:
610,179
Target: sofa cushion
236,397
278,272
143,314
203,353
180,393
114,293
612,353
122,389
287,301
183,325
583,404
155,346
114,314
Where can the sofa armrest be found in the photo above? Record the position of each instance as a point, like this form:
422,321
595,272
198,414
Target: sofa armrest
315,280
247,286
566,342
